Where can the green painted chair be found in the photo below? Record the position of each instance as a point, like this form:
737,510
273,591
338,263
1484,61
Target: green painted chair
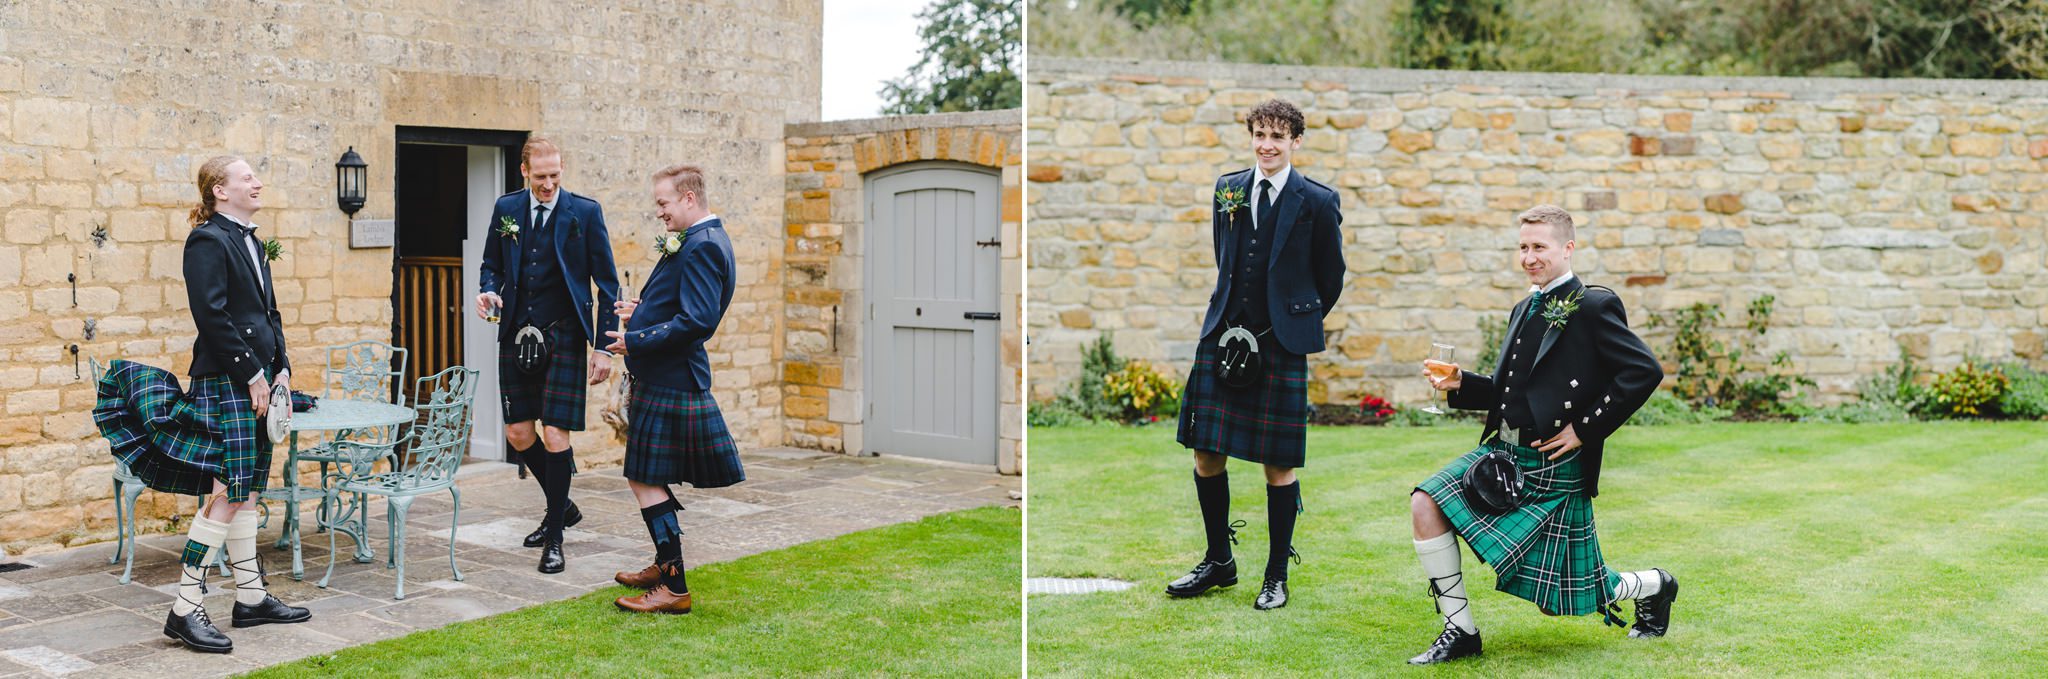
423,462
358,371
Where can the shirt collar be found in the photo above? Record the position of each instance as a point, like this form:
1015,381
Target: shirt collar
1552,285
1279,178
531,203
707,217
246,225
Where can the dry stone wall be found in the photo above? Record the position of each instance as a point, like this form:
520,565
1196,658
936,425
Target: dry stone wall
1880,213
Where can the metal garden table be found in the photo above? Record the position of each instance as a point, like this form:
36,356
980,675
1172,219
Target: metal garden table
330,415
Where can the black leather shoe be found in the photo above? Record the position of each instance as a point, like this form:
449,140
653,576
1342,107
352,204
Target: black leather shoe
268,612
570,517
1272,594
551,561
1206,575
197,632
1453,644
1653,613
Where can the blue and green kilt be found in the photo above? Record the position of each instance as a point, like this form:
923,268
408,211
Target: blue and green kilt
181,442
1545,551
555,396
1265,423
679,436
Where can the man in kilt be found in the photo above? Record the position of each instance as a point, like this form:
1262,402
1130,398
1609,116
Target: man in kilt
208,441
1570,373
1279,269
675,433
548,247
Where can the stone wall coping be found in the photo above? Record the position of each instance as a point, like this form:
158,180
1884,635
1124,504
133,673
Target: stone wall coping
1390,80
1012,116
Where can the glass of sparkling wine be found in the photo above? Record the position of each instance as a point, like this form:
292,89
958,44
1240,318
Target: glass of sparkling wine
1442,353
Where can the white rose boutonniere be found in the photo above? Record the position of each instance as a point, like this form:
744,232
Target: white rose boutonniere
668,243
507,227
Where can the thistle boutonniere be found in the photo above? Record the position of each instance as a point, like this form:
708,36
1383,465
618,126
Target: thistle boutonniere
1558,311
508,227
668,243
272,250
1228,200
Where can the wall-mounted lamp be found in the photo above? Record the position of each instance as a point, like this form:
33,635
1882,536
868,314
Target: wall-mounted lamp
351,181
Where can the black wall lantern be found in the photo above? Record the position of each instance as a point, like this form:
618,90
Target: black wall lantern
351,181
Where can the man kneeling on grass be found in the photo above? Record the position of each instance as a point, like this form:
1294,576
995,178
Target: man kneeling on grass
676,433
1570,373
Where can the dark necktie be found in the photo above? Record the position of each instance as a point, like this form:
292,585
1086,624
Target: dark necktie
540,216
1535,302
1259,204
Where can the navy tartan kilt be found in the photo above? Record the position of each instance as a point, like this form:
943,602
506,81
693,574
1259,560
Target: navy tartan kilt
181,442
1265,423
678,436
555,397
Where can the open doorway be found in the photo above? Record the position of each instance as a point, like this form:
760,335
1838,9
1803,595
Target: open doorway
446,181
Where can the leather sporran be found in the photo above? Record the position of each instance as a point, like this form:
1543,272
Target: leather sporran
1495,485
533,347
1238,364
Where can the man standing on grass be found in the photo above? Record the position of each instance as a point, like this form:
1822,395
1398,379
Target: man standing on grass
1570,373
675,432
1279,269
548,249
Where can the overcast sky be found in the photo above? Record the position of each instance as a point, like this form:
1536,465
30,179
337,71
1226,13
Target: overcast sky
867,42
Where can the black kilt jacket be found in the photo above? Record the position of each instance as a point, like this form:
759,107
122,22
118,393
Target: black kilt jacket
1593,373
233,306
1306,271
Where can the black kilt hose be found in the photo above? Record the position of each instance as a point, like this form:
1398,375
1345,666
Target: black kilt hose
679,436
181,442
556,395
1265,423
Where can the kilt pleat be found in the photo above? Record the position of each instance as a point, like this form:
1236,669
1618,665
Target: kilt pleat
1266,423
181,442
679,436
1546,551
556,396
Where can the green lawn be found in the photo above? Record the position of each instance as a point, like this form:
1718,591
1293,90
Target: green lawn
1911,549
935,597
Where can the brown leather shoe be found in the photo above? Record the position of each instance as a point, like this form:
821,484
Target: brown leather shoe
645,578
657,600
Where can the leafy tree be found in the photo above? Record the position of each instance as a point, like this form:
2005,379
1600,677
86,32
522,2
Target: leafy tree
970,60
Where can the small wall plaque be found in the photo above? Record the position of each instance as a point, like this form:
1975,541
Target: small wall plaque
372,233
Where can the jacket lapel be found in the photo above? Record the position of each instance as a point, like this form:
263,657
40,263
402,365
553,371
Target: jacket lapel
1550,333
1229,232
1288,207
238,253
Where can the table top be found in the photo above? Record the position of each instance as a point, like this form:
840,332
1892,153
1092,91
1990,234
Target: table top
334,414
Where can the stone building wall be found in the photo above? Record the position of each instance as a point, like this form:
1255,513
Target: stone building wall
826,211
1880,213
106,113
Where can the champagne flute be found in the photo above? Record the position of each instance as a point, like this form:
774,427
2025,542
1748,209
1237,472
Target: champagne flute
1443,354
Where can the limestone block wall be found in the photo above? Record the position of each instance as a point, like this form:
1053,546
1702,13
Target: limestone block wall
106,113
825,211
1880,213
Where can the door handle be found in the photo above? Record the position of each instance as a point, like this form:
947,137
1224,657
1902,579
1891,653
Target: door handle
983,316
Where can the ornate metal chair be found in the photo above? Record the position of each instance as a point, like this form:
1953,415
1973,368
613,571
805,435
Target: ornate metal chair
423,462
359,371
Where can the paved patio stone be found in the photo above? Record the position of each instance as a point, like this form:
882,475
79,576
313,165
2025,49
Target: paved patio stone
69,615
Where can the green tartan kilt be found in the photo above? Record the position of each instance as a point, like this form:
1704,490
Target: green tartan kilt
1545,551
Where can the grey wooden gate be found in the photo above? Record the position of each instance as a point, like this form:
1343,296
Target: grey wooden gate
932,252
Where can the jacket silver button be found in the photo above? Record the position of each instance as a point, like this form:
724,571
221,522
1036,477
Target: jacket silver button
1575,384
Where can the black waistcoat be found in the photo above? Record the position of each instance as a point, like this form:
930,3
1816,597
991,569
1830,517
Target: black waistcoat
543,295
